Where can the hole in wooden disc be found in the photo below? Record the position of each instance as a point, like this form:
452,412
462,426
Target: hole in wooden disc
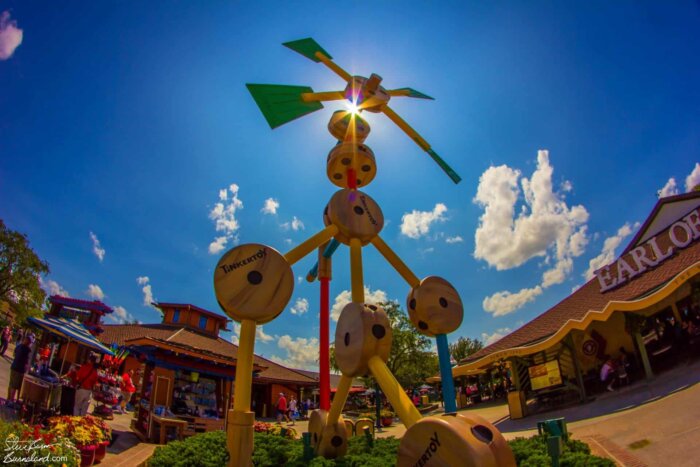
345,161
372,307
482,433
443,302
423,325
378,331
254,277
337,176
336,441
358,210
347,339
366,168
412,304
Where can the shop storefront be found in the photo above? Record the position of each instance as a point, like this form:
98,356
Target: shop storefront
184,372
640,314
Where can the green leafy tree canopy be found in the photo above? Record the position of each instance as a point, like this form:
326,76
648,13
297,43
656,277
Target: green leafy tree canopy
464,347
20,269
411,360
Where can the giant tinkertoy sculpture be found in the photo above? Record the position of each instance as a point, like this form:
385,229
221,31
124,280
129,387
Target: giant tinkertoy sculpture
254,283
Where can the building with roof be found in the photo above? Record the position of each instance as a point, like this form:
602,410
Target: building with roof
646,302
186,366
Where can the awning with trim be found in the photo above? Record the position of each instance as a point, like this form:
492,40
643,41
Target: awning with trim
70,329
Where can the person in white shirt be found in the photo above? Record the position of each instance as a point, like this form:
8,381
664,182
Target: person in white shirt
607,373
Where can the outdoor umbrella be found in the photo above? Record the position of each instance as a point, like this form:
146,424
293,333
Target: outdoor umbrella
72,330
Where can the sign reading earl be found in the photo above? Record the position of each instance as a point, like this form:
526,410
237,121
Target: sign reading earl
650,254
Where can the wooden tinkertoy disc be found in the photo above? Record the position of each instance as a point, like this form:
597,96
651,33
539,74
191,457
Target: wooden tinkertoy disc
452,439
253,281
356,215
358,157
434,307
371,100
329,441
363,331
345,126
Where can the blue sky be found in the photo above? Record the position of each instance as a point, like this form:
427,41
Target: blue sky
126,120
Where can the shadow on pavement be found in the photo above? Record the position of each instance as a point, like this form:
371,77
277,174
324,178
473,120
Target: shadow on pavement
638,393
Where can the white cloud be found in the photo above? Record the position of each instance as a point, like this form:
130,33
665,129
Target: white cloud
693,179
95,291
120,315
224,216
669,189
52,287
10,35
217,245
545,226
97,248
503,303
236,333
489,339
345,297
301,352
542,228
455,239
417,223
300,307
147,291
270,206
607,255
261,336
295,225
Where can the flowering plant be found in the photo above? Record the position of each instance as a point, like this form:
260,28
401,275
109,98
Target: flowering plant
26,445
83,431
269,428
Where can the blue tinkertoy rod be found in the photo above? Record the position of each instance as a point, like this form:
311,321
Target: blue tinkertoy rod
448,385
327,253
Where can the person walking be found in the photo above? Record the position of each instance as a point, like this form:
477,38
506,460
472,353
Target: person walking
292,409
128,389
85,379
282,408
19,367
5,338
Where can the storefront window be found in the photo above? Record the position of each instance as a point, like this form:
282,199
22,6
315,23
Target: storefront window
203,322
176,315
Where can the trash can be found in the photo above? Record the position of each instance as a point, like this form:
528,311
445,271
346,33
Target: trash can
516,404
424,400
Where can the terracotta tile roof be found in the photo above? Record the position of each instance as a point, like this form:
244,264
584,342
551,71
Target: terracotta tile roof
335,379
277,372
93,305
205,344
589,297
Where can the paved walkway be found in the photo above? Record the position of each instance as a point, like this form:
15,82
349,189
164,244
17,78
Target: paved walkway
650,423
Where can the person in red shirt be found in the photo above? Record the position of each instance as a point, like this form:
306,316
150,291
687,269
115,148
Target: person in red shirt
84,380
282,408
128,389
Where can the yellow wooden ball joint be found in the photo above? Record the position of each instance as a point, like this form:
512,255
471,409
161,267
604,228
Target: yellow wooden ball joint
434,307
351,158
348,126
328,440
372,96
355,214
454,440
253,282
363,331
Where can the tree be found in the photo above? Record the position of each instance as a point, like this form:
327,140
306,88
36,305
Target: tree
464,347
411,361
20,269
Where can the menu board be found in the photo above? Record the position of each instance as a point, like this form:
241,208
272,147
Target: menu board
545,375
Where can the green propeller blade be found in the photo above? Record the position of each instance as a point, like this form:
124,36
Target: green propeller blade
444,166
308,48
281,104
417,94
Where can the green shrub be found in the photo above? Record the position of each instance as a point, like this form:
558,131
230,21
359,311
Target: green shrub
209,449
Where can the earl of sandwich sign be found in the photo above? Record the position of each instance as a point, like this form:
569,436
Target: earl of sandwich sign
653,252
